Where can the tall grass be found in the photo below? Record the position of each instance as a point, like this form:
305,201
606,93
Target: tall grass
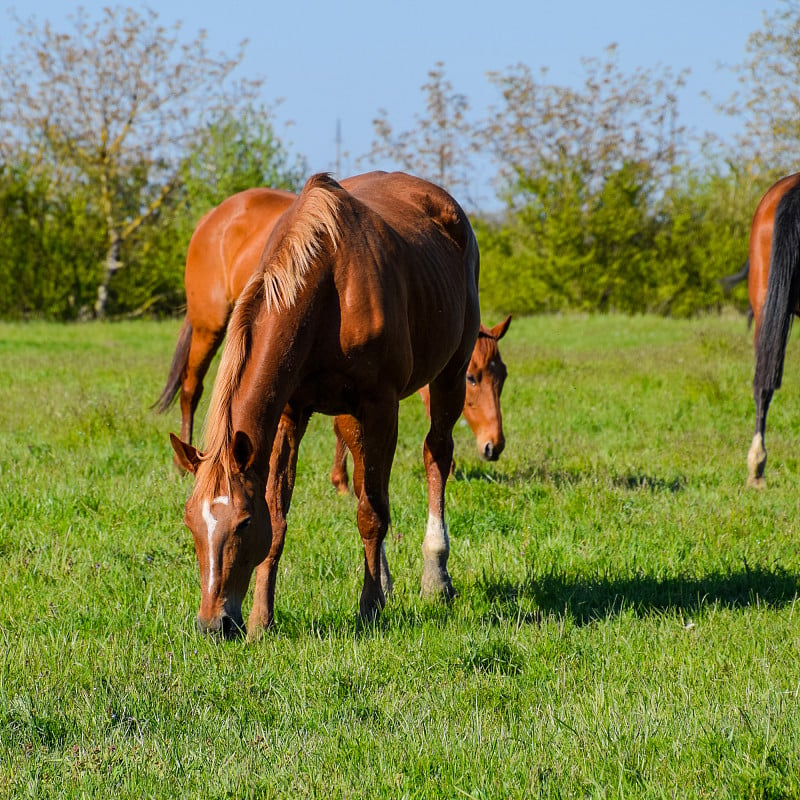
626,624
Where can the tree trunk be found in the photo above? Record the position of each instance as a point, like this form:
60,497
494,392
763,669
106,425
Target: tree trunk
113,265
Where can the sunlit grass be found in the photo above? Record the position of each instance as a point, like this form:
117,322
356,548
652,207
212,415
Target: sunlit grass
626,624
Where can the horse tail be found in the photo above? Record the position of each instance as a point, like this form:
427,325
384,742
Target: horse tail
179,361
783,292
729,281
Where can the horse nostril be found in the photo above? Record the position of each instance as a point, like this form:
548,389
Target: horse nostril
232,628
491,451
208,628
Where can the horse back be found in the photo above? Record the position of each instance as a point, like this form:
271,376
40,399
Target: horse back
417,297
225,249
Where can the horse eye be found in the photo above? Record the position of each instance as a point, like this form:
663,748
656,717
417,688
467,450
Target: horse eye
243,525
471,380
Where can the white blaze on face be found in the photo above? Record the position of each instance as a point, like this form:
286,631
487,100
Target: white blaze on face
211,526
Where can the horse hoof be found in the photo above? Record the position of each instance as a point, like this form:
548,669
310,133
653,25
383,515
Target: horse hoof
437,587
368,614
370,606
754,482
258,624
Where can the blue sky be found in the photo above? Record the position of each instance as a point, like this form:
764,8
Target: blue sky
345,61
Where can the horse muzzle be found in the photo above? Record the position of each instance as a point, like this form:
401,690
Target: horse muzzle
491,450
224,626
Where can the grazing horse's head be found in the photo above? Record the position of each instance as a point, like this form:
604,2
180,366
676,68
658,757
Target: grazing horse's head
486,375
228,517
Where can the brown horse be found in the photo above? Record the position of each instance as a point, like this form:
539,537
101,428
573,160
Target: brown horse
362,296
773,282
223,253
486,375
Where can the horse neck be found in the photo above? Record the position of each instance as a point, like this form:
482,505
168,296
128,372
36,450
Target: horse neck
280,347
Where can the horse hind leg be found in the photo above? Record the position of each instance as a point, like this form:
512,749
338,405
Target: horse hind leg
204,345
339,477
372,443
446,405
757,455
349,436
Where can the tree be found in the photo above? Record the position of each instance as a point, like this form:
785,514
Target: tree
50,245
112,106
583,171
235,154
769,96
438,147
238,153
611,120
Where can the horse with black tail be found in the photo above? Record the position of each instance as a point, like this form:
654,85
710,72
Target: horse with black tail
774,300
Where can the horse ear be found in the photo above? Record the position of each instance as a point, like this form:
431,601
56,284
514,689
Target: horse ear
499,330
188,457
243,450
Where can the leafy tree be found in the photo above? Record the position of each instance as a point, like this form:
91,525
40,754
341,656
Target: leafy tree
439,145
565,246
613,119
583,172
622,253
238,153
702,236
51,245
112,106
234,154
769,95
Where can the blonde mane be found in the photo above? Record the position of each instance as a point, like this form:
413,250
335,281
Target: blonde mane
294,254
277,286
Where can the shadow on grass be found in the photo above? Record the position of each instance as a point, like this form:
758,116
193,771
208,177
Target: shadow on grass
581,599
585,599
567,476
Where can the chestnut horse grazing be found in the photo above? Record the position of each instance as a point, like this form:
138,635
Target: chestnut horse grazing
223,253
773,282
486,375
362,296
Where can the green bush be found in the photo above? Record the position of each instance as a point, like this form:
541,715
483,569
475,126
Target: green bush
626,245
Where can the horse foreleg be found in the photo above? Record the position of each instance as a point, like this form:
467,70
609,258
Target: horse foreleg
446,405
757,455
339,470
280,485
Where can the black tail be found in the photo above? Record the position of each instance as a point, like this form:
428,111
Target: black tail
729,281
783,291
179,361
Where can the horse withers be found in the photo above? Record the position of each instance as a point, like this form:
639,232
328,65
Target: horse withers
363,295
773,283
486,376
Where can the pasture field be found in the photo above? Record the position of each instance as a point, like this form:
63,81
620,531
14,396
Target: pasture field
627,624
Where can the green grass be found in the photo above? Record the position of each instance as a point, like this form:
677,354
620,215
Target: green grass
626,624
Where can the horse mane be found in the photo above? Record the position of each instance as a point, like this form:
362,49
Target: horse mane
276,286
292,258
